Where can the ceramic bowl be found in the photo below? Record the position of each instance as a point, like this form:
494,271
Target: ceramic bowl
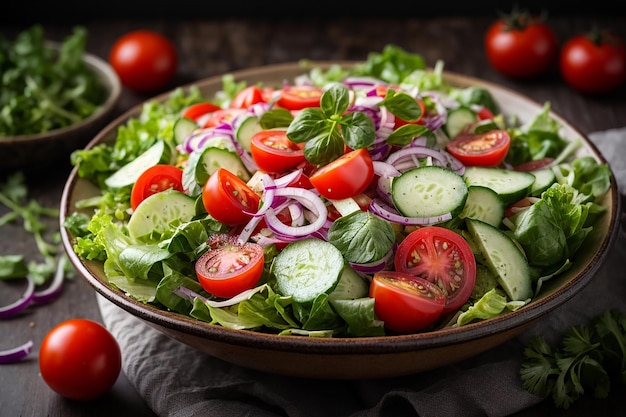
32,152
356,358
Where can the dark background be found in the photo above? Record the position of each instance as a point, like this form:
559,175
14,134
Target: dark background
86,11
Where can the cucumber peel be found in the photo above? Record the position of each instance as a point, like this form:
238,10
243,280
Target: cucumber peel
308,268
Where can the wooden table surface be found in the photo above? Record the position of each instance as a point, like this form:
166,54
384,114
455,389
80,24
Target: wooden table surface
210,47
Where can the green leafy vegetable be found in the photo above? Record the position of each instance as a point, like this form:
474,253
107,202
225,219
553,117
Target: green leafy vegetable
327,129
589,358
43,88
14,195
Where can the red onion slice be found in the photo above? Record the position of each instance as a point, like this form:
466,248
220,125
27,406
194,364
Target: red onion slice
15,354
383,210
22,303
55,287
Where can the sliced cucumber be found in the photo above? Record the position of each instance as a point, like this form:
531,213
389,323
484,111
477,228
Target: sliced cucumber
160,152
429,192
504,259
183,128
160,213
484,204
458,119
544,178
246,129
511,186
213,158
307,268
350,286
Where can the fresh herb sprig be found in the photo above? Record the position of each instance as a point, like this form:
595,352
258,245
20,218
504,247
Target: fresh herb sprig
14,195
43,88
329,128
589,358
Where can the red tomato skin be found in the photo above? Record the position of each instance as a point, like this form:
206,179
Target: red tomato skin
228,199
484,149
521,53
195,111
273,152
247,97
428,251
406,303
228,267
593,68
348,175
80,359
299,97
156,179
145,61
220,116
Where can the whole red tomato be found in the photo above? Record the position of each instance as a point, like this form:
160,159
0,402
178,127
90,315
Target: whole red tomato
521,46
594,63
145,61
80,359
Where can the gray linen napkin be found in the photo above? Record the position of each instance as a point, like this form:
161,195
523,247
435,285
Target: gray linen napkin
177,380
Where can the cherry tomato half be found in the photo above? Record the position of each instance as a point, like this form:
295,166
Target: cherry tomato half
594,63
273,152
228,267
441,256
406,303
298,97
197,110
483,149
521,46
348,175
218,117
228,199
247,97
155,179
144,60
80,359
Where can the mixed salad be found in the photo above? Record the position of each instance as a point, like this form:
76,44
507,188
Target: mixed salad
351,201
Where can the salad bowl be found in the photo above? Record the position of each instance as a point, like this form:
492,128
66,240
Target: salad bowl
353,357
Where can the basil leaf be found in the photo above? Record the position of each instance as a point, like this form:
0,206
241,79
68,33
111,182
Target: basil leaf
308,124
276,118
403,106
335,100
358,130
362,237
324,148
405,134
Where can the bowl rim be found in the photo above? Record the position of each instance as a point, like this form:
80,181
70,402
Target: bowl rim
349,345
109,80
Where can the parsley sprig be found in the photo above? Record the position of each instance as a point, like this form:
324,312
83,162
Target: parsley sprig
43,88
14,195
588,358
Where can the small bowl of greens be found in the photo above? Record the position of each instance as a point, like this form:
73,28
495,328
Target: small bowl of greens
300,258
55,98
